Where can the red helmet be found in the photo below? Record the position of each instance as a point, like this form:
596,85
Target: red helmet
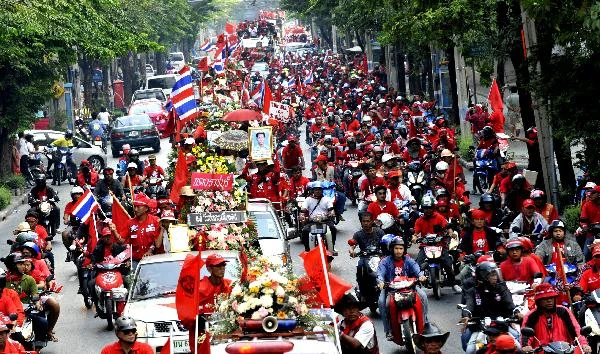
531,133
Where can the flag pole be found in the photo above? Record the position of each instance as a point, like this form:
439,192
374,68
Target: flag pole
196,335
130,187
329,296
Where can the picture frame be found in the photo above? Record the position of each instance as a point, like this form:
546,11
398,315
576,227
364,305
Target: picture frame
260,143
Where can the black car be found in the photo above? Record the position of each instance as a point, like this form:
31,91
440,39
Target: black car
136,130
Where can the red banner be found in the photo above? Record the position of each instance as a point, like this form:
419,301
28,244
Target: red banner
212,181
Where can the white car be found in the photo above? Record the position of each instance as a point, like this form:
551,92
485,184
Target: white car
150,71
151,299
272,235
177,60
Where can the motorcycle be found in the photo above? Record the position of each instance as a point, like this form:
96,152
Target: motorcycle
61,158
522,296
416,180
485,169
353,173
98,141
405,312
366,276
555,347
571,272
44,208
319,229
292,210
108,287
432,267
477,325
154,188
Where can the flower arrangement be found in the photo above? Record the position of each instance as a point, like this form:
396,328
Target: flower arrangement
268,290
227,236
209,162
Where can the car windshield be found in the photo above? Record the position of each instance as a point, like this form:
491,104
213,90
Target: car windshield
161,82
128,121
176,57
157,279
143,95
146,107
265,224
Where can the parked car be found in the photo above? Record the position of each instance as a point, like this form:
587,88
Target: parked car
154,109
151,300
136,130
163,82
83,150
272,235
155,93
150,71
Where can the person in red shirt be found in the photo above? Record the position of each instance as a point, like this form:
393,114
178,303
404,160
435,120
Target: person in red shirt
131,179
547,210
414,151
528,252
563,328
590,212
350,124
479,237
153,170
380,205
590,279
517,267
297,183
367,186
142,230
6,344
215,284
87,175
292,155
390,146
264,183
126,331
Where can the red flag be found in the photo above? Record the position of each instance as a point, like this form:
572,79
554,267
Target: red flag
93,232
180,180
170,127
495,100
229,28
203,64
187,297
244,265
120,217
560,268
313,265
412,130
166,349
365,65
267,98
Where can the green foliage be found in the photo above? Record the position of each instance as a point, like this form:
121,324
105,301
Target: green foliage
571,217
5,196
464,141
14,182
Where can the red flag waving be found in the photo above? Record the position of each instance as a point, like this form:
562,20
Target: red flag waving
120,217
187,296
93,232
412,130
229,28
180,180
267,98
364,65
170,127
495,100
313,264
203,64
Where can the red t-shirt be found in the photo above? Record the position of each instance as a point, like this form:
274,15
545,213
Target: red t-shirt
523,271
208,291
291,157
141,235
138,348
69,208
367,186
154,171
591,212
589,281
42,236
297,187
480,241
353,155
316,128
375,209
398,267
425,225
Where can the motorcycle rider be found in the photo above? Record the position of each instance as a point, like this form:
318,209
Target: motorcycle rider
297,183
97,128
551,322
398,263
153,170
514,193
367,187
357,332
517,267
6,344
487,205
547,249
414,151
134,157
317,205
66,142
590,214
126,331
547,210
490,297
32,218
479,237
123,160
396,189
368,235
41,190
107,185
292,155
381,205
590,278
431,340
87,176
528,222
132,178
431,222
71,221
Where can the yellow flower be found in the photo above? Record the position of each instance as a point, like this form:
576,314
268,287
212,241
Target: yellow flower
254,289
281,315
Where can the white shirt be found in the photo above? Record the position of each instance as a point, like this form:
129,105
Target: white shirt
317,207
366,335
25,148
404,193
103,116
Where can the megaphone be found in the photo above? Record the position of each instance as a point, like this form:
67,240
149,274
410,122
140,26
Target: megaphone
270,324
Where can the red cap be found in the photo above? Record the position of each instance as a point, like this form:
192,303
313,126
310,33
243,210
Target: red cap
485,258
321,158
544,291
505,342
596,189
85,162
528,203
477,214
526,242
215,259
141,200
394,173
441,203
167,215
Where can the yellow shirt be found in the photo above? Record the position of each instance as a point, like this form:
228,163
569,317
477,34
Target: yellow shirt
63,142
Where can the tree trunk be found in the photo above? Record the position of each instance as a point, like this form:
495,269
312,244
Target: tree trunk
86,79
159,58
360,41
5,153
401,70
562,150
127,69
429,71
413,76
454,114
105,83
500,73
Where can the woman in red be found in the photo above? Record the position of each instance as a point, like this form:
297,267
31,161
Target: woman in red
590,279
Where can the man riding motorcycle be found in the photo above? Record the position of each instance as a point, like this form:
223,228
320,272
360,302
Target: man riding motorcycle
87,176
398,263
153,170
517,267
40,191
547,249
317,206
106,186
528,222
66,142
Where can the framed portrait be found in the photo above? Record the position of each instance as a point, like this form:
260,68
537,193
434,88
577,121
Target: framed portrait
260,143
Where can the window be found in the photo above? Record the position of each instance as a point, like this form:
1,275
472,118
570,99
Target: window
161,82
265,224
128,121
146,107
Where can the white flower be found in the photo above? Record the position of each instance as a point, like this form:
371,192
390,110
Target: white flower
266,301
242,308
236,291
292,300
280,291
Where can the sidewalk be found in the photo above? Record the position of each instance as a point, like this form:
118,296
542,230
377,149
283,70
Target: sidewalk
15,203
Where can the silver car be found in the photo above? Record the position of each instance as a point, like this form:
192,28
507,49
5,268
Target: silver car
83,150
272,235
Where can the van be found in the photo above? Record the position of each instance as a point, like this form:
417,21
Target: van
163,82
177,60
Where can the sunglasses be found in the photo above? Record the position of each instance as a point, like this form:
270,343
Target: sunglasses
129,331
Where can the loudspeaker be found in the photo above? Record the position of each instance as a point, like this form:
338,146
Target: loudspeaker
270,324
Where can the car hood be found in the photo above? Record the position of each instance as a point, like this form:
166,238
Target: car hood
153,310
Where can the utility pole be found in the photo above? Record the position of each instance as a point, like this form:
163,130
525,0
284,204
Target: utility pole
541,120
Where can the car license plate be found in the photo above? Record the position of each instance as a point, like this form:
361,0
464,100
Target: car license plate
98,142
181,346
133,133
433,249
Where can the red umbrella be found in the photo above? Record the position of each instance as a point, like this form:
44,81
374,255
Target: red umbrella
242,115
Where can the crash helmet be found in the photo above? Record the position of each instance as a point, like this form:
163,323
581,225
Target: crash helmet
397,240
124,323
25,237
76,190
132,165
441,192
68,134
556,224
519,178
40,180
134,153
484,269
33,247
486,198
2,279
442,166
427,202
384,243
513,243
314,185
537,193
487,132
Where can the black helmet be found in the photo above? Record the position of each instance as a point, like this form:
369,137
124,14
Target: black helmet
487,132
124,323
556,224
483,270
2,279
40,180
68,134
397,240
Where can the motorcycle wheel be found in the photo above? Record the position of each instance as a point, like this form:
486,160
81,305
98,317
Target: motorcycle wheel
408,328
109,314
87,301
58,176
435,284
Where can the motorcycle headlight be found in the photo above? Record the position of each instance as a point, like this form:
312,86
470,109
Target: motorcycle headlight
119,293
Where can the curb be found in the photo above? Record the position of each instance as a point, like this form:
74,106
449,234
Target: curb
14,204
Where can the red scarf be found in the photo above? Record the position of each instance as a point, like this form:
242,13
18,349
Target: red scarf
352,327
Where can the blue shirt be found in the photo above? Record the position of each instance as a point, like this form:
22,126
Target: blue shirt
386,272
96,128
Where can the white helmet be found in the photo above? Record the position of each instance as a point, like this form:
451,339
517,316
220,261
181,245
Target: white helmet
441,166
367,120
387,157
132,165
386,219
76,190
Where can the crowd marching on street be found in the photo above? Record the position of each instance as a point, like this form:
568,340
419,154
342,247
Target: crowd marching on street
389,159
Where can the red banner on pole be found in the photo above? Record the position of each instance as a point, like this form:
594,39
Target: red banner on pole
212,181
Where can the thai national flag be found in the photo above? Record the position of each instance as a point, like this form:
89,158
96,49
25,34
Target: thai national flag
182,95
85,206
219,63
207,46
291,83
257,94
309,78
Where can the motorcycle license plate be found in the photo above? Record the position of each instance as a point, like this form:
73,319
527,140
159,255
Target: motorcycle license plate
181,346
98,142
433,249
